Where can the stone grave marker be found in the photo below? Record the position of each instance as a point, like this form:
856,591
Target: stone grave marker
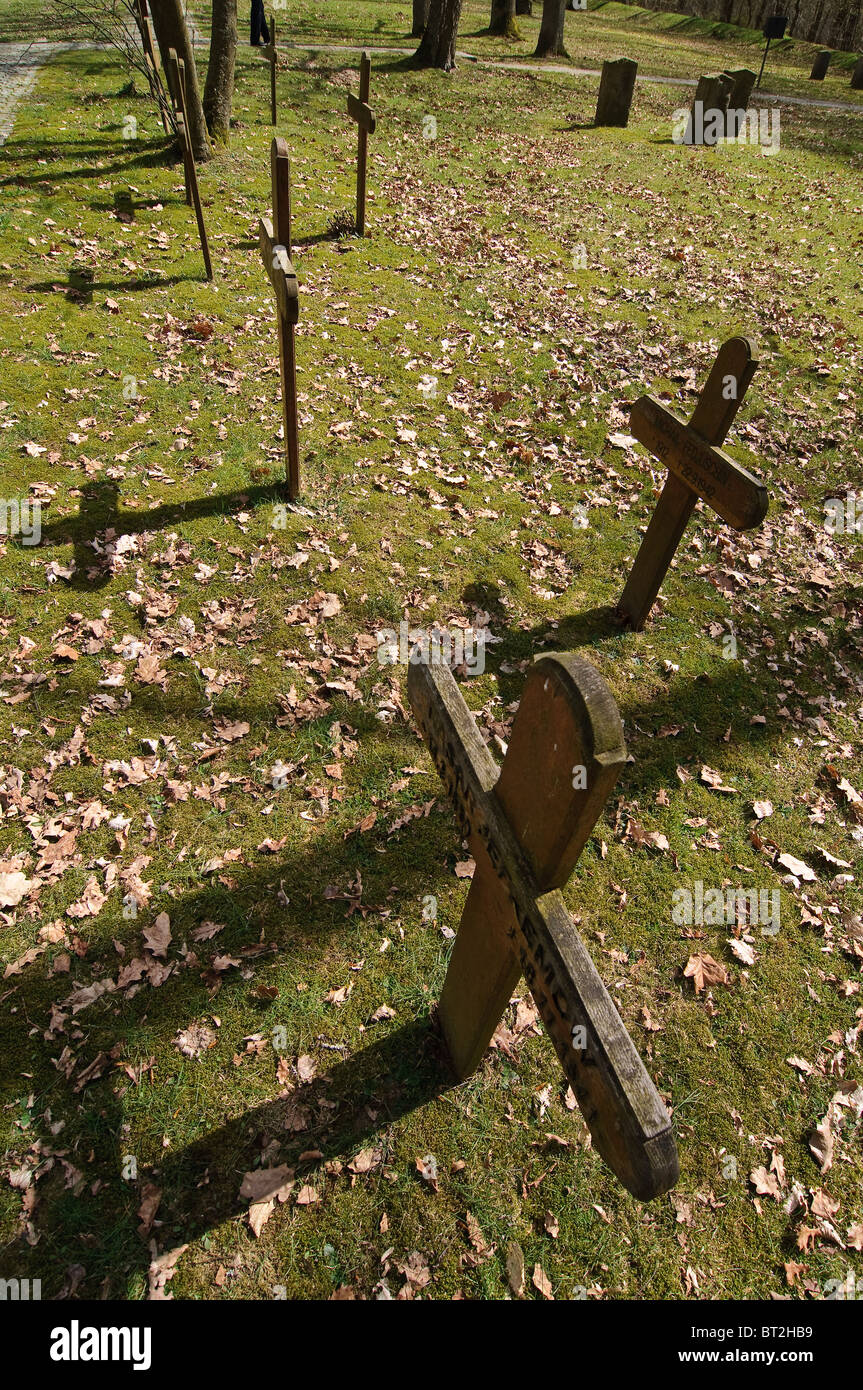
616,88
820,66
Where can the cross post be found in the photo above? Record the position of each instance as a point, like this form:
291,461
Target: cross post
193,196
697,467
527,824
360,111
273,56
150,55
275,242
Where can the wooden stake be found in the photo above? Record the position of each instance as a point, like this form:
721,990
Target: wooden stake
527,827
276,253
696,468
360,111
274,61
190,172
150,56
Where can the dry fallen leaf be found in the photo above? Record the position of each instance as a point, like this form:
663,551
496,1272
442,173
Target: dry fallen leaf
13,888
704,971
797,867
541,1282
194,1040
515,1268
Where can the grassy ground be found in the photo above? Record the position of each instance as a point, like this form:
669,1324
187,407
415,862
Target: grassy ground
140,403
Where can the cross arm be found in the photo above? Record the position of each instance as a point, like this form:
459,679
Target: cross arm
626,1117
729,488
362,113
280,270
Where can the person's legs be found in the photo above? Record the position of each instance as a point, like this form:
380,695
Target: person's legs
258,21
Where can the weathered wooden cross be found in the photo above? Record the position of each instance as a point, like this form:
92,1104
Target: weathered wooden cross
271,53
360,111
697,467
527,825
190,173
276,252
150,55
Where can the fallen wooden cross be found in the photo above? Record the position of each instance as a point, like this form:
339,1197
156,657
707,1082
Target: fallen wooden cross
275,242
527,825
190,173
271,53
360,111
696,468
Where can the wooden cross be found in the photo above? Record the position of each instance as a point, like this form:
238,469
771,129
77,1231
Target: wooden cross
360,111
271,53
276,252
527,825
190,173
696,468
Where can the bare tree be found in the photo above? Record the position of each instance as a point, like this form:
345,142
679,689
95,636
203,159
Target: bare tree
502,19
219,86
420,18
169,22
550,42
437,49
119,24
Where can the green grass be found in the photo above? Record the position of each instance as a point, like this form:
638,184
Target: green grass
467,276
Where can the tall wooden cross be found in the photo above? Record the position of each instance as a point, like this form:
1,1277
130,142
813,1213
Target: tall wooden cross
190,173
360,111
150,56
697,467
276,253
527,825
272,54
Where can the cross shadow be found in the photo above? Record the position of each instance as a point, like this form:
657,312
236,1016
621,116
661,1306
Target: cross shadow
359,1097
81,290
371,1090
100,509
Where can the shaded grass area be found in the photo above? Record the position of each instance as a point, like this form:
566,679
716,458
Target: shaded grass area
467,278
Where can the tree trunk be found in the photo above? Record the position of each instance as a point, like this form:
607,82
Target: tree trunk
169,22
437,49
503,19
524,6
219,86
421,14
550,41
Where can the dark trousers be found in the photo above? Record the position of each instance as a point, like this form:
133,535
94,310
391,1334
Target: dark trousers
259,23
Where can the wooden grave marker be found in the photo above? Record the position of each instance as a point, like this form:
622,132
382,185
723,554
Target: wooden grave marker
697,467
276,253
150,55
190,173
271,53
527,824
360,111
